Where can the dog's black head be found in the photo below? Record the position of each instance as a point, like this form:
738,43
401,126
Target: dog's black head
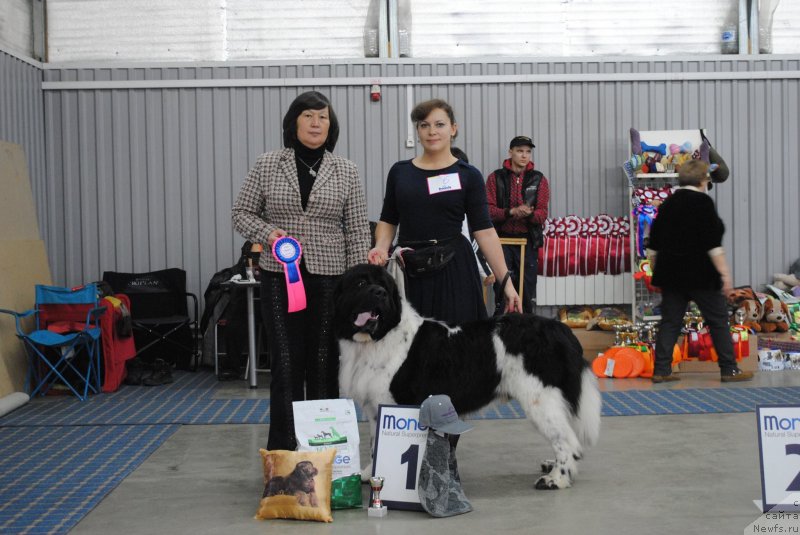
367,304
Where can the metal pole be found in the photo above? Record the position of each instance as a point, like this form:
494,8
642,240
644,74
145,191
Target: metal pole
743,33
754,37
383,31
394,35
251,336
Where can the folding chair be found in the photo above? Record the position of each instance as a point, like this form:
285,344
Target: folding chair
67,326
162,325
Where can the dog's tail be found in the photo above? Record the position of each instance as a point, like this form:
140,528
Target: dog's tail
587,420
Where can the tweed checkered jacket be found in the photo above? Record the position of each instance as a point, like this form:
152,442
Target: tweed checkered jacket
333,230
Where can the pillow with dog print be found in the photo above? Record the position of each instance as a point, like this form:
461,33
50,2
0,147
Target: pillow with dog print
297,485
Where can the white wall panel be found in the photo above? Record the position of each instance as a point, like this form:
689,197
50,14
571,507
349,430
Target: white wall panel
149,30
148,176
16,30
290,29
210,30
470,28
786,27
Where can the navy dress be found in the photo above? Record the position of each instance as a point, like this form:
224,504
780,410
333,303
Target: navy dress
454,294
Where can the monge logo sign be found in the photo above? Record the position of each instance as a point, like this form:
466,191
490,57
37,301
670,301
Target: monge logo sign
393,423
773,423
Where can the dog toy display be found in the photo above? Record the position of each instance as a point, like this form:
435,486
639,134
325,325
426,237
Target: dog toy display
633,353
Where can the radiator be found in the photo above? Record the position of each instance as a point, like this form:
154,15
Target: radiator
599,289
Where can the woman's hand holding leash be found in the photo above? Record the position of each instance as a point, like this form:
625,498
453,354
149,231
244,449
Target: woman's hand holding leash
378,256
513,301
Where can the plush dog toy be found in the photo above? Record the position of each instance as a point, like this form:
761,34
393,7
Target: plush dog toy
785,281
753,312
660,149
776,316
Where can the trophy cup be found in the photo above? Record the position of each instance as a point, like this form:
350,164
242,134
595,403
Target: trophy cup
376,507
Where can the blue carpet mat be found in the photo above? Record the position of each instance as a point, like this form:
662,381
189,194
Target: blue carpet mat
51,477
191,400
59,457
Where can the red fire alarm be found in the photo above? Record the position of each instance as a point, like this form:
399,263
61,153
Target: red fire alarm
375,93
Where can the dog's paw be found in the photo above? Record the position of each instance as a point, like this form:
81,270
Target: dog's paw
548,465
554,481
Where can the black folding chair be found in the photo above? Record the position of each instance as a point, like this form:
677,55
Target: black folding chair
162,326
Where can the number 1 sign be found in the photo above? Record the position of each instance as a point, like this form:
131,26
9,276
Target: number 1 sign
779,446
399,448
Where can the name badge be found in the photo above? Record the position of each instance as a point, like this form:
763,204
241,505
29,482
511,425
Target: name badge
442,183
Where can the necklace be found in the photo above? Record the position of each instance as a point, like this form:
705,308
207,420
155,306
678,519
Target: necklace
310,167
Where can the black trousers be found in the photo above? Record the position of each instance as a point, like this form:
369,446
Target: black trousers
713,306
512,256
303,352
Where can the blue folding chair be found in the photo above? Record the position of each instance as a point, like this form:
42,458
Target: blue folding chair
67,327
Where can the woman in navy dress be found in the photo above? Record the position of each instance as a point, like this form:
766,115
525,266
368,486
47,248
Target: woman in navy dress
427,197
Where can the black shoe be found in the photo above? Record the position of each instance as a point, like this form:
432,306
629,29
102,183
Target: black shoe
162,374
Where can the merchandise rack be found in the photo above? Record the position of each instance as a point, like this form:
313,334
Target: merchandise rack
641,294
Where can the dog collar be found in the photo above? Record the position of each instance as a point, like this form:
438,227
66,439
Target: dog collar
287,251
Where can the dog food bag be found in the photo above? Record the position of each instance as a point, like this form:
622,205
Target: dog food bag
323,424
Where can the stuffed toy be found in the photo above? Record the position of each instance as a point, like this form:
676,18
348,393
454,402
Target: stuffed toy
785,282
752,312
776,316
636,142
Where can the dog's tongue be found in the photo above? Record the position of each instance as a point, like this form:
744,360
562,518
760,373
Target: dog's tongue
363,318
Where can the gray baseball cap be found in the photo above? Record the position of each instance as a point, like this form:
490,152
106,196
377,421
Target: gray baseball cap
438,413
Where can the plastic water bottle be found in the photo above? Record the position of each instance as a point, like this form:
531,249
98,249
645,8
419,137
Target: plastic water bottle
730,42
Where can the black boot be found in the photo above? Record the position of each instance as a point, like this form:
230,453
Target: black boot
162,374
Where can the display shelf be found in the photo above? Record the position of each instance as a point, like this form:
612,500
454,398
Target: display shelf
643,298
660,176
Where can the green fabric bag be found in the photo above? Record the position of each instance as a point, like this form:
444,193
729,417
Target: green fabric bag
346,492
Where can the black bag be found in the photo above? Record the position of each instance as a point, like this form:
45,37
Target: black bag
722,172
427,260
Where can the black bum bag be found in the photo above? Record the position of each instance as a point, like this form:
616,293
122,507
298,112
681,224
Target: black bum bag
422,261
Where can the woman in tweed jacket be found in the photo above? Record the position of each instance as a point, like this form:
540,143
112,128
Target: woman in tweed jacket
308,193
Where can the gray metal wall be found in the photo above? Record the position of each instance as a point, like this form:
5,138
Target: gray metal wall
148,160
22,118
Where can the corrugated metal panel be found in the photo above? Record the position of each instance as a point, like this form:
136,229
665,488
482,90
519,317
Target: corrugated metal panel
148,175
16,30
22,122
295,29
149,30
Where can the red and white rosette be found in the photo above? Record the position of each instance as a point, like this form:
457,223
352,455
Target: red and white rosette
604,224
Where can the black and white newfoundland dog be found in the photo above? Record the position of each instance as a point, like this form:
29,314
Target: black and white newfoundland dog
392,355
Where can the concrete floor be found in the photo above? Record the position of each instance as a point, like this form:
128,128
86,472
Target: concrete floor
649,474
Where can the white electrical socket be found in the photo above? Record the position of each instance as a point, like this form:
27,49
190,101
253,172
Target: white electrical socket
409,143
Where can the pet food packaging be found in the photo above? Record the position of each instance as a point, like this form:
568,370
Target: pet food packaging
321,424
770,360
